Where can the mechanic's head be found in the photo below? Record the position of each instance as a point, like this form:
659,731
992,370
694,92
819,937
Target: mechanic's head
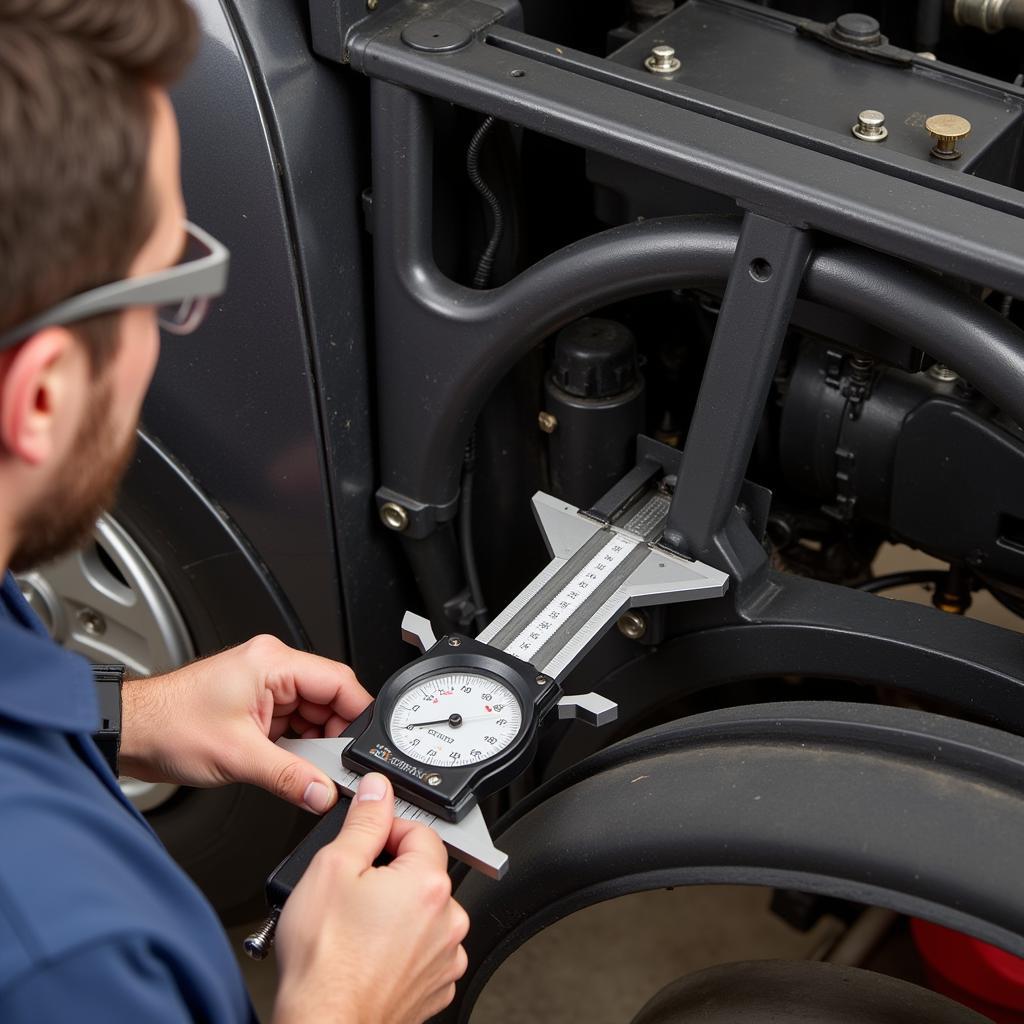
89,195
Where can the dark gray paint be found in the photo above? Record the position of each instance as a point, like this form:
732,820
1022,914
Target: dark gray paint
236,403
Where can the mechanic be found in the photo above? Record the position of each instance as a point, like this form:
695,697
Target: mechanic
96,921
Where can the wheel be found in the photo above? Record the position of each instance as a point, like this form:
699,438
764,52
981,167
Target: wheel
166,579
798,992
108,603
888,807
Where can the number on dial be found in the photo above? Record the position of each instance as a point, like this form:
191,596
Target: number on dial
456,718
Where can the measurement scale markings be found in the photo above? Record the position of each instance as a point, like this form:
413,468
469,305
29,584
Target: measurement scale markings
558,614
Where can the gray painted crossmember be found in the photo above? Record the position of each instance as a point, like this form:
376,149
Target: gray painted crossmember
468,841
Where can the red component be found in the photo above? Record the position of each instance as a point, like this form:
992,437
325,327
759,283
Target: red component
488,707
972,972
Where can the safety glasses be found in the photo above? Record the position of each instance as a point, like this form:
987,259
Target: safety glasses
181,294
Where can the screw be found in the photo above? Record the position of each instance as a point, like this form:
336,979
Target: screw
394,517
433,779
947,130
662,61
633,625
454,642
258,944
542,680
870,126
371,5
92,622
943,373
547,422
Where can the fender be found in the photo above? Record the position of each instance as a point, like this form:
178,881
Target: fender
880,805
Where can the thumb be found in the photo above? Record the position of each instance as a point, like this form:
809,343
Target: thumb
368,823
289,777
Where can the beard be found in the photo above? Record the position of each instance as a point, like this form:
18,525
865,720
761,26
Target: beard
84,487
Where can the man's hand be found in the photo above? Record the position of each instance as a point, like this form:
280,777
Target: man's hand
215,721
363,945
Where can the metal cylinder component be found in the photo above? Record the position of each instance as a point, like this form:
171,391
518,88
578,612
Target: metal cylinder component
662,60
394,517
633,625
870,126
947,130
595,391
989,15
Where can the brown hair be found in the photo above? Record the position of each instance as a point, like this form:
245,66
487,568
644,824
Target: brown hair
75,120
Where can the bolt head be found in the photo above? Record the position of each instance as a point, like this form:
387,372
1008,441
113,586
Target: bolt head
948,126
633,625
433,779
870,126
542,680
858,28
371,5
454,642
394,517
92,622
547,422
942,373
662,60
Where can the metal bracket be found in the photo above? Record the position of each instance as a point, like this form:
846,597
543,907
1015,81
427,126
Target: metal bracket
591,708
417,630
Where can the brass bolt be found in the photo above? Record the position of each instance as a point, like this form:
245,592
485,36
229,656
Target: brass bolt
662,61
870,126
394,517
547,422
633,625
947,130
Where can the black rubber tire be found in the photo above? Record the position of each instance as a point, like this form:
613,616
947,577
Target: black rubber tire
882,806
228,839
799,992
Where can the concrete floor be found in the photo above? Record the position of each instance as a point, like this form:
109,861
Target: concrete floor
602,964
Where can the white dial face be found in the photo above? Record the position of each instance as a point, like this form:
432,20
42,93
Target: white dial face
455,719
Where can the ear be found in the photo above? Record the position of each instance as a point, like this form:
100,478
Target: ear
42,394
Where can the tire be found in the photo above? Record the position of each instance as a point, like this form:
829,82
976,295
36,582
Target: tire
915,812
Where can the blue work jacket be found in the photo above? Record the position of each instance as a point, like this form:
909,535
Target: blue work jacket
97,923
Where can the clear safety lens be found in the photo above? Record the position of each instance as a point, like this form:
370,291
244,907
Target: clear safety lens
183,317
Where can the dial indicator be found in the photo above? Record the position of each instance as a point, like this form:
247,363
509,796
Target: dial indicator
455,719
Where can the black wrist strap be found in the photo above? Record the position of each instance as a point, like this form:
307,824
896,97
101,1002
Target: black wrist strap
108,680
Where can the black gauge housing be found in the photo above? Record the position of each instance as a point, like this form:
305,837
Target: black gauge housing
450,791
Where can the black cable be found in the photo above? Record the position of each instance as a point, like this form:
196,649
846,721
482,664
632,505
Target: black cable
902,579
466,535
482,277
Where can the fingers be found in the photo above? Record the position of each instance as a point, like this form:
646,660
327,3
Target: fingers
368,823
286,776
417,847
307,681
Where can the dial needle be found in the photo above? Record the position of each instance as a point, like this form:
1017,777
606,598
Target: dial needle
453,720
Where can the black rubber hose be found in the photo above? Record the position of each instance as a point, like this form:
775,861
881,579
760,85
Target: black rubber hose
482,277
921,308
